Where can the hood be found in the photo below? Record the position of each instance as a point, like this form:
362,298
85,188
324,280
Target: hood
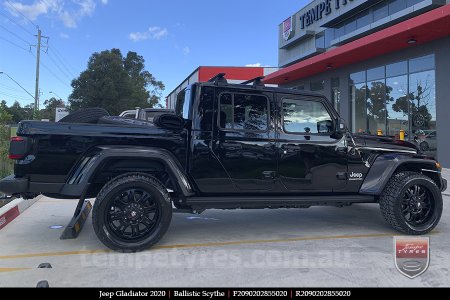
383,143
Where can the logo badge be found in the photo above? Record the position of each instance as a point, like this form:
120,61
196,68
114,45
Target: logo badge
355,176
288,28
412,255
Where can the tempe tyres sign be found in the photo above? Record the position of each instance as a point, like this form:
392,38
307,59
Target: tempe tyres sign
314,14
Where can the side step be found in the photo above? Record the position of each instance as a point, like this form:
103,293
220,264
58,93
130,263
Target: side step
277,201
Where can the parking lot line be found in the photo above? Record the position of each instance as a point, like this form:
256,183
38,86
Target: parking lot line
213,244
3,270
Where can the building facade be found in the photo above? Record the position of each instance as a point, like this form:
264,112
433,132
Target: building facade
232,74
385,65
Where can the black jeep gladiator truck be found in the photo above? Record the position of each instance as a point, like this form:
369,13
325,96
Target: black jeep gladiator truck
228,146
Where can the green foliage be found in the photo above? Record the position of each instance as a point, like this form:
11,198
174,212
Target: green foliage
5,120
115,83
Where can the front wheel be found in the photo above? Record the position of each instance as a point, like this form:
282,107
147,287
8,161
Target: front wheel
411,203
132,212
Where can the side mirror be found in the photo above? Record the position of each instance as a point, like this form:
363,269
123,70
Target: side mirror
341,127
169,121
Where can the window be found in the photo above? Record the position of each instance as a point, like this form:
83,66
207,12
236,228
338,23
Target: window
320,41
303,116
396,69
335,94
399,96
243,112
329,36
396,6
364,19
423,63
380,11
317,86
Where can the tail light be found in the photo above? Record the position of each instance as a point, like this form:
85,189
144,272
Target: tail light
18,147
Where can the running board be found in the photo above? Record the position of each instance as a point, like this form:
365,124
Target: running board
277,201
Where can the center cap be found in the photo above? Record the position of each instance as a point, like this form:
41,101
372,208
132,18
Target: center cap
133,214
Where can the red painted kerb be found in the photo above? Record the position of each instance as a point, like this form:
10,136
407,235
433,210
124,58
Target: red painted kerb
424,28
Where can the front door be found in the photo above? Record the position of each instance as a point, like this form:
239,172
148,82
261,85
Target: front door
310,158
244,138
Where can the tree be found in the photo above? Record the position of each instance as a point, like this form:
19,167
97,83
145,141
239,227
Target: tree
115,83
50,106
5,120
20,113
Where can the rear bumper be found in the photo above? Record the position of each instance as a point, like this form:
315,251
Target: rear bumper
14,186
11,185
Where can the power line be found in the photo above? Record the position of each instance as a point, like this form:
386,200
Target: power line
51,72
59,68
17,36
58,56
10,88
11,95
17,24
14,44
26,18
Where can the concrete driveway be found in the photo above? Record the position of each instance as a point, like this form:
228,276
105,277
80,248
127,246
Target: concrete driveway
320,246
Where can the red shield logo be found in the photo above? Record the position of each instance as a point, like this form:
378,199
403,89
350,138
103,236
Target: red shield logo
288,28
412,255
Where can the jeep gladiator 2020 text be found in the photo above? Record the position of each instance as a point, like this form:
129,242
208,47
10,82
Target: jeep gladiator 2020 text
228,146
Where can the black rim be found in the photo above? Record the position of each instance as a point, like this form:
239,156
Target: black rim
417,205
132,214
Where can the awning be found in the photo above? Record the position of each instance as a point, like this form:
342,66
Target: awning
419,30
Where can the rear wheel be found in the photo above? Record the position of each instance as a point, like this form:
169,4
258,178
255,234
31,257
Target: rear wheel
411,203
132,212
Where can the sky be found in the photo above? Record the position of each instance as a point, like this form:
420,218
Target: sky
173,36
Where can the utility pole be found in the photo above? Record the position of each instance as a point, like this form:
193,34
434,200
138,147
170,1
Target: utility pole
38,59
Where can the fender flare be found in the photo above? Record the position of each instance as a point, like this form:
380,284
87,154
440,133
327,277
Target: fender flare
83,172
385,166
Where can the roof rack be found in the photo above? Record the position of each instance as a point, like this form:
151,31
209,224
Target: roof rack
219,79
257,81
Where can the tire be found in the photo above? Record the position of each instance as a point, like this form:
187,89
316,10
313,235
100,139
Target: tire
404,213
115,120
85,115
116,213
424,146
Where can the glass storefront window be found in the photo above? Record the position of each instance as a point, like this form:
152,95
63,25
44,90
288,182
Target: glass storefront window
423,109
359,101
398,96
336,94
396,69
397,105
421,64
317,86
376,108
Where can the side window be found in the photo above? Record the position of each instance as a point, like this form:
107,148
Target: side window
243,112
303,116
183,104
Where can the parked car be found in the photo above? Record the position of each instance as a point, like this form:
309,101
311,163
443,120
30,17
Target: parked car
227,146
147,114
428,140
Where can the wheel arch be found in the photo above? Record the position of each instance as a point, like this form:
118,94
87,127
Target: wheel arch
386,165
103,162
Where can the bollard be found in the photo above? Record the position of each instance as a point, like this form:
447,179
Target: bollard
402,135
379,132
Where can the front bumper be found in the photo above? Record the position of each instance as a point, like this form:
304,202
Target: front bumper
11,185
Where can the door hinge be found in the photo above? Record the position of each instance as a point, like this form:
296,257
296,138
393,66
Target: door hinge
341,175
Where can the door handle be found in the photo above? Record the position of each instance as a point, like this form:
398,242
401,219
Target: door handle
268,174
